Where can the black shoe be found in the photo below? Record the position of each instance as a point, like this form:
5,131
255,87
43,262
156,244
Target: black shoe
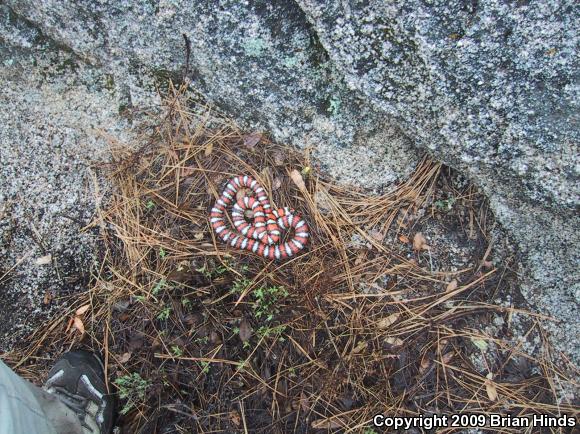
78,380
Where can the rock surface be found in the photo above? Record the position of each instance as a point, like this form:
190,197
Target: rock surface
488,87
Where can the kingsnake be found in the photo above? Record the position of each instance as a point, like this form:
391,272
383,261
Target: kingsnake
263,235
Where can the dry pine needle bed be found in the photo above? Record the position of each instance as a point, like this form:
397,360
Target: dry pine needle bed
201,338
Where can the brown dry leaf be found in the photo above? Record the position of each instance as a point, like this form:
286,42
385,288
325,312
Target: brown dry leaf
208,149
404,239
47,297
214,338
236,418
384,323
304,403
451,286
297,179
327,424
490,387
322,200
425,363
44,260
395,342
278,158
276,184
245,330
124,358
252,140
420,242
376,235
360,347
446,358
81,310
78,324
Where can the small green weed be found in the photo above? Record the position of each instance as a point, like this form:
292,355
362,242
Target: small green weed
211,271
164,313
445,205
266,301
204,367
264,332
176,350
240,285
265,298
132,388
159,286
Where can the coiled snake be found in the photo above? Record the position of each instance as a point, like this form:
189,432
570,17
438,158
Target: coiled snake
263,235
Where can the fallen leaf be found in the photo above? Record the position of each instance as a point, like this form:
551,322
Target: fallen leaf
425,363
360,347
44,260
276,184
385,322
278,158
420,242
78,324
446,358
304,404
490,387
487,264
252,140
214,338
404,239
235,418
124,358
327,424
81,310
245,330
396,342
297,179
322,200
47,297
208,149
451,286
376,235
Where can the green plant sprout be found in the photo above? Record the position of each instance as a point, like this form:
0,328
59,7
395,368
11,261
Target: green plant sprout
132,388
164,313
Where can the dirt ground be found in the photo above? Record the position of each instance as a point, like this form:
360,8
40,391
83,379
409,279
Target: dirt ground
403,303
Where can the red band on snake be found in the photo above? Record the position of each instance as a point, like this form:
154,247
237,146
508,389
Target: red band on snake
263,235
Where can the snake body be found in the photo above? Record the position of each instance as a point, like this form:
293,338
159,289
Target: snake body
264,234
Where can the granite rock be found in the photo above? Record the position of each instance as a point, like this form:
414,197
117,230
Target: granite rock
488,87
